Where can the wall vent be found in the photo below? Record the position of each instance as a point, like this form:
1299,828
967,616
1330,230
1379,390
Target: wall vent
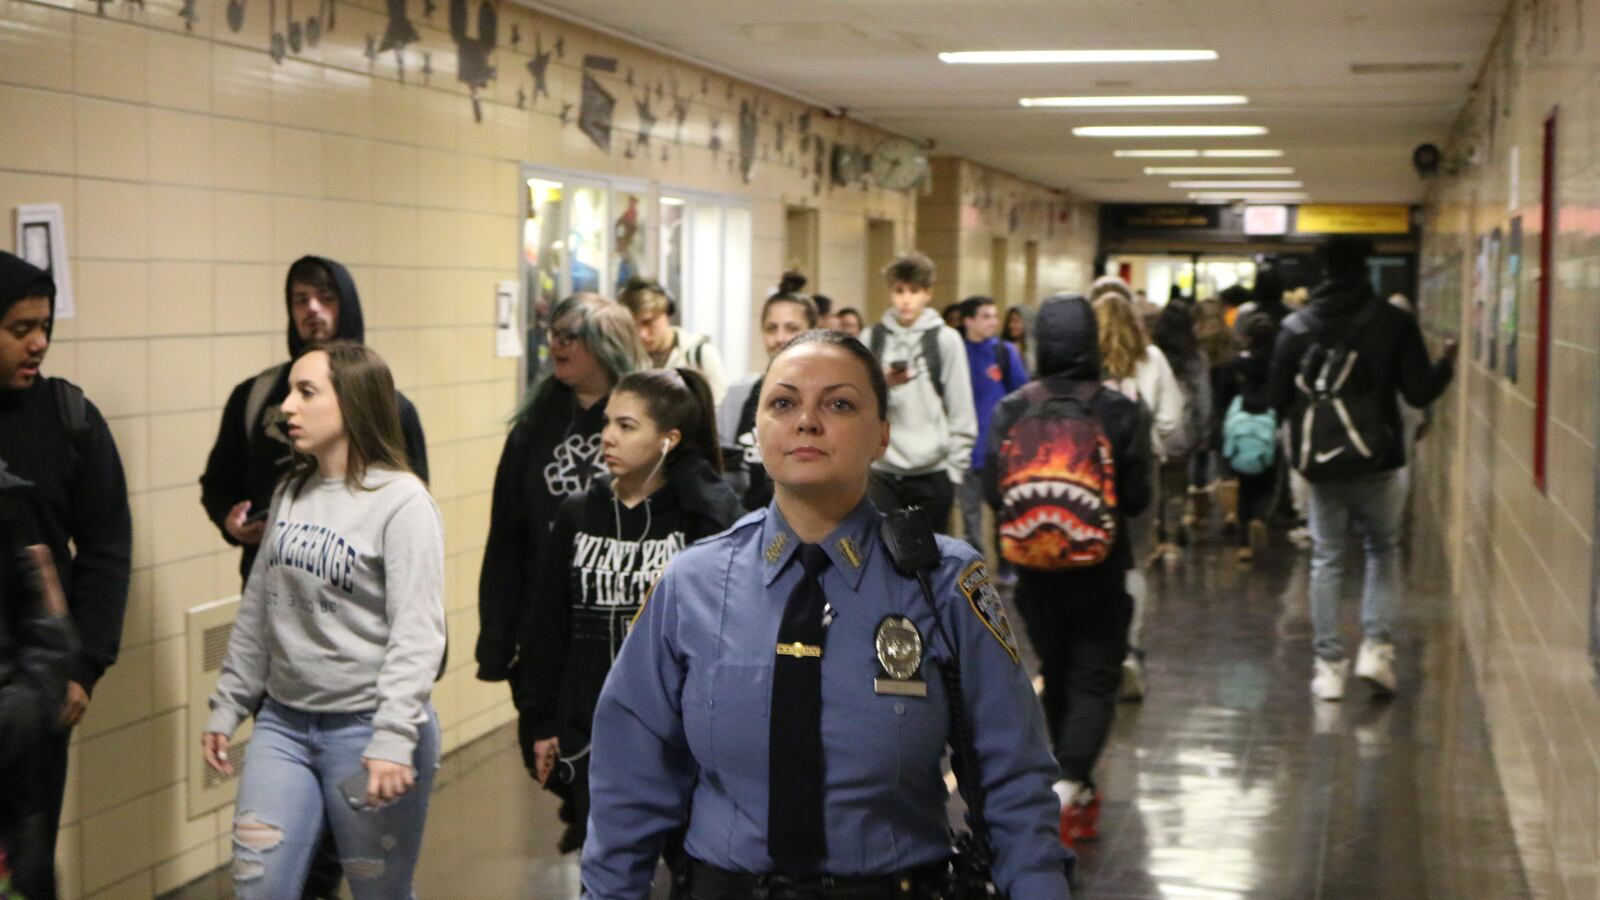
207,630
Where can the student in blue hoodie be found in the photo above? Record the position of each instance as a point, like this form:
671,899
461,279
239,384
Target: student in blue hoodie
996,370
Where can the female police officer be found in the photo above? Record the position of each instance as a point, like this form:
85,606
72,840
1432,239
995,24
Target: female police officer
770,698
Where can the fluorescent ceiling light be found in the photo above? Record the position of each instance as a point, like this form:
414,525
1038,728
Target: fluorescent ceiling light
1241,154
1111,131
1249,196
1157,154
1002,57
1174,100
1219,170
1238,185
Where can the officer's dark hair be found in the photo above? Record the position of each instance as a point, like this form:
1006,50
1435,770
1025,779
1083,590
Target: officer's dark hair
801,300
679,399
914,268
971,305
1345,258
831,338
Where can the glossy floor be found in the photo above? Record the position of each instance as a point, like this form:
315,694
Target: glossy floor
1228,781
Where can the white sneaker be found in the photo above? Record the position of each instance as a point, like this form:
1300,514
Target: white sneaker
1375,665
1132,679
1328,683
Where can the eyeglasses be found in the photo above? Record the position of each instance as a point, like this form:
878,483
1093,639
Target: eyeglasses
563,337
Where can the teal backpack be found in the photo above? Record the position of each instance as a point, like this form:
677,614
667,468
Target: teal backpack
1249,440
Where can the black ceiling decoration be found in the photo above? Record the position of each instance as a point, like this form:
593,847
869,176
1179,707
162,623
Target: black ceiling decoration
473,50
596,111
539,68
398,31
647,119
749,129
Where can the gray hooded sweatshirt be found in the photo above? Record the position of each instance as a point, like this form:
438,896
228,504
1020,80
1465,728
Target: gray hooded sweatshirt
343,611
927,434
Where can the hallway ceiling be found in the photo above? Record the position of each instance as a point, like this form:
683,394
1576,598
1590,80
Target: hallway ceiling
1349,136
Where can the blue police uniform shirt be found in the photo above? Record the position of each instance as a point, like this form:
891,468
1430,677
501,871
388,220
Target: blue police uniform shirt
682,721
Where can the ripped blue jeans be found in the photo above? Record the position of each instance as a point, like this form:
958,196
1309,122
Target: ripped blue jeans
290,785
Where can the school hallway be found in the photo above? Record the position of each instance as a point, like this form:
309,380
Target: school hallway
1228,781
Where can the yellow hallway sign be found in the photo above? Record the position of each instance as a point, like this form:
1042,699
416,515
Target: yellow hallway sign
1358,219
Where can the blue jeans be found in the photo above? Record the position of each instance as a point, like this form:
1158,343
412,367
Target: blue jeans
290,785
1376,504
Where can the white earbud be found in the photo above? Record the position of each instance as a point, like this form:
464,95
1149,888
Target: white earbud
666,445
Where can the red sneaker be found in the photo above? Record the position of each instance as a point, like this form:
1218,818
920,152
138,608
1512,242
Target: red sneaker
1080,822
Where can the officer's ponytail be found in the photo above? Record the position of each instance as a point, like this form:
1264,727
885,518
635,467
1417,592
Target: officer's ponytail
679,399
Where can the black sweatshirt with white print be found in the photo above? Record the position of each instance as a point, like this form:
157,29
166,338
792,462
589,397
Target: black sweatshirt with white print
600,563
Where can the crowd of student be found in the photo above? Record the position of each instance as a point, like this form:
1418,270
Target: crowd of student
1082,442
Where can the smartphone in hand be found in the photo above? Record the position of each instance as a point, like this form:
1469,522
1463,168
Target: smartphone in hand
354,791
258,515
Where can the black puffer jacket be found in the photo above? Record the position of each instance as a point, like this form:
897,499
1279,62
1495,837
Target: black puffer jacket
1393,355
1067,339
36,650
600,562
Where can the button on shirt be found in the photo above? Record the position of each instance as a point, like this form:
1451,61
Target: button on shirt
683,720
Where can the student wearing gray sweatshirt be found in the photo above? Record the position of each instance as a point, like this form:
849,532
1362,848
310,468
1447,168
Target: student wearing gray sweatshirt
338,638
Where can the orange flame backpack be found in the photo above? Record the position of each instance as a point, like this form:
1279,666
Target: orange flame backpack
1058,489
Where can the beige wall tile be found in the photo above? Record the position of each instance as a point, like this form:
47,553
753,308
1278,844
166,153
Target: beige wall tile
109,59
297,162
114,219
35,39
116,844
180,224
185,867
116,767
240,357
174,363
69,868
180,298
131,434
243,227
113,375
347,234
241,155
180,147
122,697
394,173
46,145
347,165
169,670
241,80
111,139
175,76
180,442
298,227
113,298
248,297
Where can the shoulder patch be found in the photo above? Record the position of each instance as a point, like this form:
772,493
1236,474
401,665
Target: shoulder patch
979,589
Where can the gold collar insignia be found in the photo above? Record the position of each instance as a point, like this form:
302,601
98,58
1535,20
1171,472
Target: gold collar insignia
775,547
852,553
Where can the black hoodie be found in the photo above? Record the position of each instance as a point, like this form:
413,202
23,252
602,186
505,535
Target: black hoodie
80,495
36,649
245,464
1067,341
601,561
552,453
1390,345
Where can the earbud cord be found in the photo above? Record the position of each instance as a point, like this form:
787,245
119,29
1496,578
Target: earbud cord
616,512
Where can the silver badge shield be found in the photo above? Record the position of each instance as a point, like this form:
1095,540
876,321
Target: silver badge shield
899,646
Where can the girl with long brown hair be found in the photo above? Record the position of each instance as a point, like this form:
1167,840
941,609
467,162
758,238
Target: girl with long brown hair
337,641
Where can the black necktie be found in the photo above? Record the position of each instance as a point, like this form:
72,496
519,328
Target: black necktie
795,837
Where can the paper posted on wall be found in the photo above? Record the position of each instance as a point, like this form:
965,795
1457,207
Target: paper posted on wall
507,336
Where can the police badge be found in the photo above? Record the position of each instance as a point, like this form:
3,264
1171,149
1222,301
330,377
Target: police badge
899,646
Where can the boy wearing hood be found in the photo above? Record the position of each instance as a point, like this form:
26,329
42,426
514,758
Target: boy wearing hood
1392,360
932,421
1077,619
252,452
54,438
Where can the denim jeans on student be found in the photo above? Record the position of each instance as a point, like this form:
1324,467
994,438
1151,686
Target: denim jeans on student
1375,504
290,786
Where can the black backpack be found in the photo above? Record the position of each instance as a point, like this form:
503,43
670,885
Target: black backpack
1338,423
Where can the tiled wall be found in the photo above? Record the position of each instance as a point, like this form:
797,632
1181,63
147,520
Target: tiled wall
971,206
193,168
1521,557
